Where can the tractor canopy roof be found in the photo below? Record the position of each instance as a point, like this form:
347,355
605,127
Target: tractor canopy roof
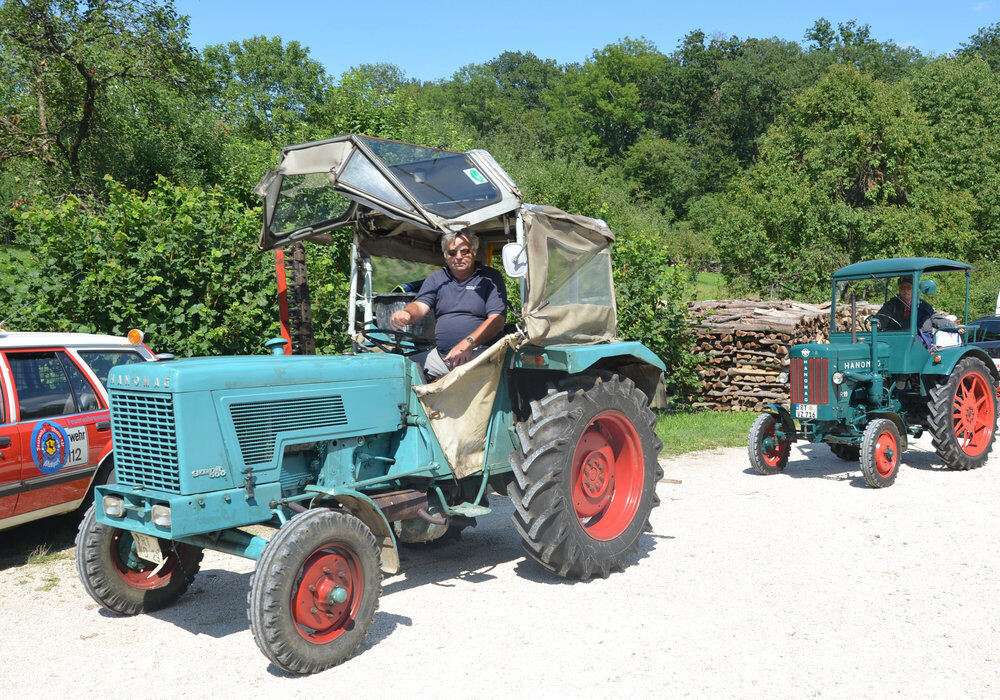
405,194
899,266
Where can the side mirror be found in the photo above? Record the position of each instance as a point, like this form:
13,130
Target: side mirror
928,287
515,260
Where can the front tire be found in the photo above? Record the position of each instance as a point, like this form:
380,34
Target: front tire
314,593
963,415
585,475
880,451
114,575
768,455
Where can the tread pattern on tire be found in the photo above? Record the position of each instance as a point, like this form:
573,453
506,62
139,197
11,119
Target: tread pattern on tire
941,420
869,470
267,606
760,426
544,515
102,583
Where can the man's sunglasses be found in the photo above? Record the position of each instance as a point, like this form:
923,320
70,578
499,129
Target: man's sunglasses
461,251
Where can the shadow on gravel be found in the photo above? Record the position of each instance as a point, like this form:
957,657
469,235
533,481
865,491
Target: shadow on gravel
53,537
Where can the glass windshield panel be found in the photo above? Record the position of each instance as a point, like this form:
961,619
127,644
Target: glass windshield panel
873,296
306,200
363,175
578,277
444,182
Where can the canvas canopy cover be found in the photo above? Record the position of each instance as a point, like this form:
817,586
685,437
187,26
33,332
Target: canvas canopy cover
400,198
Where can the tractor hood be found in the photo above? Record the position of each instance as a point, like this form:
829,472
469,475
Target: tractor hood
220,373
387,187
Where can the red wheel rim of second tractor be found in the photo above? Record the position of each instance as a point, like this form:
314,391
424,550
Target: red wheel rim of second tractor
973,414
885,463
777,453
607,476
136,572
318,615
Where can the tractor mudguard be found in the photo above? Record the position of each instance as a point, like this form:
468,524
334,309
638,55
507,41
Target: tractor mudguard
578,358
895,418
952,356
787,424
364,508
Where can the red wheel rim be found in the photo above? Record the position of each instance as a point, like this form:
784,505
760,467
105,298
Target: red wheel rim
135,571
773,456
327,595
973,414
886,454
608,471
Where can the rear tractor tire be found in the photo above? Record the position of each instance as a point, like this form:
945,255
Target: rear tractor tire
585,475
963,415
116,577
315,591
768,455
881,448
848,453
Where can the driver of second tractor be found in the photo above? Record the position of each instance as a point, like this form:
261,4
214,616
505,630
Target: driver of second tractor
469,301
895,313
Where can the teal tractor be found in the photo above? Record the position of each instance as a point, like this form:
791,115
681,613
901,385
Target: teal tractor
319,467
893,368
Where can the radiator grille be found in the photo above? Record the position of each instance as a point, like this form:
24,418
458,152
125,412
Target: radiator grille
257,423
813,387
145,440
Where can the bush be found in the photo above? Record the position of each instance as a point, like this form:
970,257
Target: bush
180,263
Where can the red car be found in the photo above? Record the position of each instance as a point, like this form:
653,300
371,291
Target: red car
55,428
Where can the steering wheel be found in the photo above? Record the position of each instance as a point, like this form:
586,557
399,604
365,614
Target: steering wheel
883,318
396,340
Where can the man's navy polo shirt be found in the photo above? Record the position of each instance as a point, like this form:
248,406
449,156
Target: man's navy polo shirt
460,307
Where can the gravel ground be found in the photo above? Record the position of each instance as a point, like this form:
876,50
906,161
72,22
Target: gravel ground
805,583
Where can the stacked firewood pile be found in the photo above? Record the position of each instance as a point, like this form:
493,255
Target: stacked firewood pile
746,344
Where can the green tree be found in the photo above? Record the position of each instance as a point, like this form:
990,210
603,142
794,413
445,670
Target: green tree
985,44
62,60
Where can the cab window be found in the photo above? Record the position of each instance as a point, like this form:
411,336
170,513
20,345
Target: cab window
48,384
101,361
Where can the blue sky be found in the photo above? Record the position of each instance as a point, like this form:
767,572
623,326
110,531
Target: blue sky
430,40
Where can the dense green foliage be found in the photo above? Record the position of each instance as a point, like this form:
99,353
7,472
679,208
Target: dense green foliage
128,159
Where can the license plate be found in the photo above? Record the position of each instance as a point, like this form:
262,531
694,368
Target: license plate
805,410
147,547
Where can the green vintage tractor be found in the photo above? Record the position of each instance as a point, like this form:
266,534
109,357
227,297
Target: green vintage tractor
893,368
338,460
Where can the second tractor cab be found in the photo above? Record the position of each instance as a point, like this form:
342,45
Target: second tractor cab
893,368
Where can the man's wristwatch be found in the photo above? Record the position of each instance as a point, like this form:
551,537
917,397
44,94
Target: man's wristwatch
472,343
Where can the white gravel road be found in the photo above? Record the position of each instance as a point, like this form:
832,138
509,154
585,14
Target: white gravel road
805,583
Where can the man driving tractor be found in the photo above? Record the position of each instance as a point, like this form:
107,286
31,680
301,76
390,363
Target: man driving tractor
469,301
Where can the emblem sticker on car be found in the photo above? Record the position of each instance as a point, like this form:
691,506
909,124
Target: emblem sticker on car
54,447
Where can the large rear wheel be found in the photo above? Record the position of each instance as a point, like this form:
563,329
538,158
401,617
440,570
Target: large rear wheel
314,593
113,573
963,415
585,475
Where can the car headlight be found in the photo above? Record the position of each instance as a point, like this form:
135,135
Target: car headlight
783,377
838,377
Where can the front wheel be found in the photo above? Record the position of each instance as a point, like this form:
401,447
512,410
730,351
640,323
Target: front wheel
880,451
314,593
114,574
585,475
768,453
963,415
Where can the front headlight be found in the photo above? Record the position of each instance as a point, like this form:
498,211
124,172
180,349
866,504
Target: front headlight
161,516
783,377
114,506
838,378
